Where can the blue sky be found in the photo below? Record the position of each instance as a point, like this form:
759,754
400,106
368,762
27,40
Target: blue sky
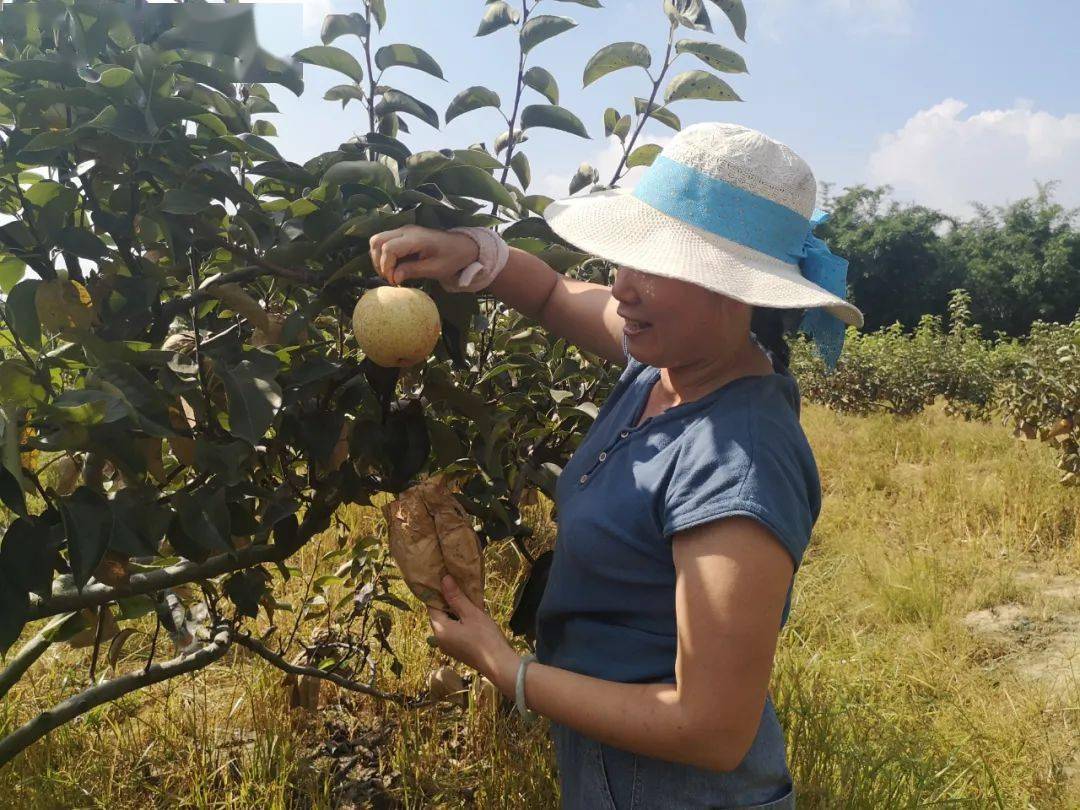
949,102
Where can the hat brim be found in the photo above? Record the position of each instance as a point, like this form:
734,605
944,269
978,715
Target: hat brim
617,226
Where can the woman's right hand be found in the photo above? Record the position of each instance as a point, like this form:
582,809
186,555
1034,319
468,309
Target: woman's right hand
413,252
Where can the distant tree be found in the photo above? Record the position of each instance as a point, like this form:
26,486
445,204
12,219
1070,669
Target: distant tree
1021,263
899,269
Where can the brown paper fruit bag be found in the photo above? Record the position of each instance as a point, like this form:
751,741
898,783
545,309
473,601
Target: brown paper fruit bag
431,535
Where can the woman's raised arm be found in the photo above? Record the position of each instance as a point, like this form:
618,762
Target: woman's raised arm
582,313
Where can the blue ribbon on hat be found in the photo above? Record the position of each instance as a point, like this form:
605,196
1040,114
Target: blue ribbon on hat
821,266
760,224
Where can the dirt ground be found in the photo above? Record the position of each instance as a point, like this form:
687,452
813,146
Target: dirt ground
1038,639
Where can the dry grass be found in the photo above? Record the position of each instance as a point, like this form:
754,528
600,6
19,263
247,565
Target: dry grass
888,699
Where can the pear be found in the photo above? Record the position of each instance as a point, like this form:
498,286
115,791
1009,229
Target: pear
396,327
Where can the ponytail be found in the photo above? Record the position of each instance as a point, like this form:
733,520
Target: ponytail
770,327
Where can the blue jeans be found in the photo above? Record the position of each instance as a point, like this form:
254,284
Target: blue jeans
593,776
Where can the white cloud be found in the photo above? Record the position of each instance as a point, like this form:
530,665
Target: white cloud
946,159
556,185
314,13
313,10
775,19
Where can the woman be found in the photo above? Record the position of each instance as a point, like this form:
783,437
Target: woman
686,510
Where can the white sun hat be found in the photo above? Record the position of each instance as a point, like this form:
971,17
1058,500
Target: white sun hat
726,208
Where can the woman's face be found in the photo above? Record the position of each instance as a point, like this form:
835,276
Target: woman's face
672,323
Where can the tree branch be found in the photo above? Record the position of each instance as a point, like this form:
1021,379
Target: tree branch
256,259
187,571
152,581
31,652
180,305
345,683
648,107
29,733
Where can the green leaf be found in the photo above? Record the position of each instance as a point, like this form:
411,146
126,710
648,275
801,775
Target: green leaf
28,555
285,172
698,84
19,387
41,70
88,406
644,155
253,145
378,8
713,54
81,242
614,57
115,77
211,77
126,123
338,25
520,164
22,312
611,118
470,181
245,590
254,398
139,522
14,602
478,158
407,56
588,3
182,201
12,271
659,113
404,444
552,117
51,140
368,172
421,165
226,28
204,517
212,123
11,494
496,15
397,101
538,202
344,93
543,27
229,462
471,98
87,523
328,56
542,82
589,409
169,110
736,13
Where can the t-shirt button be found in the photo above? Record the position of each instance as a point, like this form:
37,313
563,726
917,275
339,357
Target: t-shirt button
583,479
624,434
603,456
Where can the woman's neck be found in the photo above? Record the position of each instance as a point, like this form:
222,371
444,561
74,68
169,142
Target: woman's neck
696,380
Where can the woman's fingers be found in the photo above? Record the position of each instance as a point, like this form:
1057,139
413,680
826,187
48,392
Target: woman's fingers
438,619
417,268
389,248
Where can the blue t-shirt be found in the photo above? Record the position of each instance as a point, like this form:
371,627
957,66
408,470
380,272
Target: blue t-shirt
608,609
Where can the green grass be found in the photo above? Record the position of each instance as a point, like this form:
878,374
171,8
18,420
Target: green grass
887,698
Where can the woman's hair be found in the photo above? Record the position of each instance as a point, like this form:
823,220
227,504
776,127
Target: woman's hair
771,326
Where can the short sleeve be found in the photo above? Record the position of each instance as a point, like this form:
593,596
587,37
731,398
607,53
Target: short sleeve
770,477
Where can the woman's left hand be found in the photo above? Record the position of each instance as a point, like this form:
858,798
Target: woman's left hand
474,639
